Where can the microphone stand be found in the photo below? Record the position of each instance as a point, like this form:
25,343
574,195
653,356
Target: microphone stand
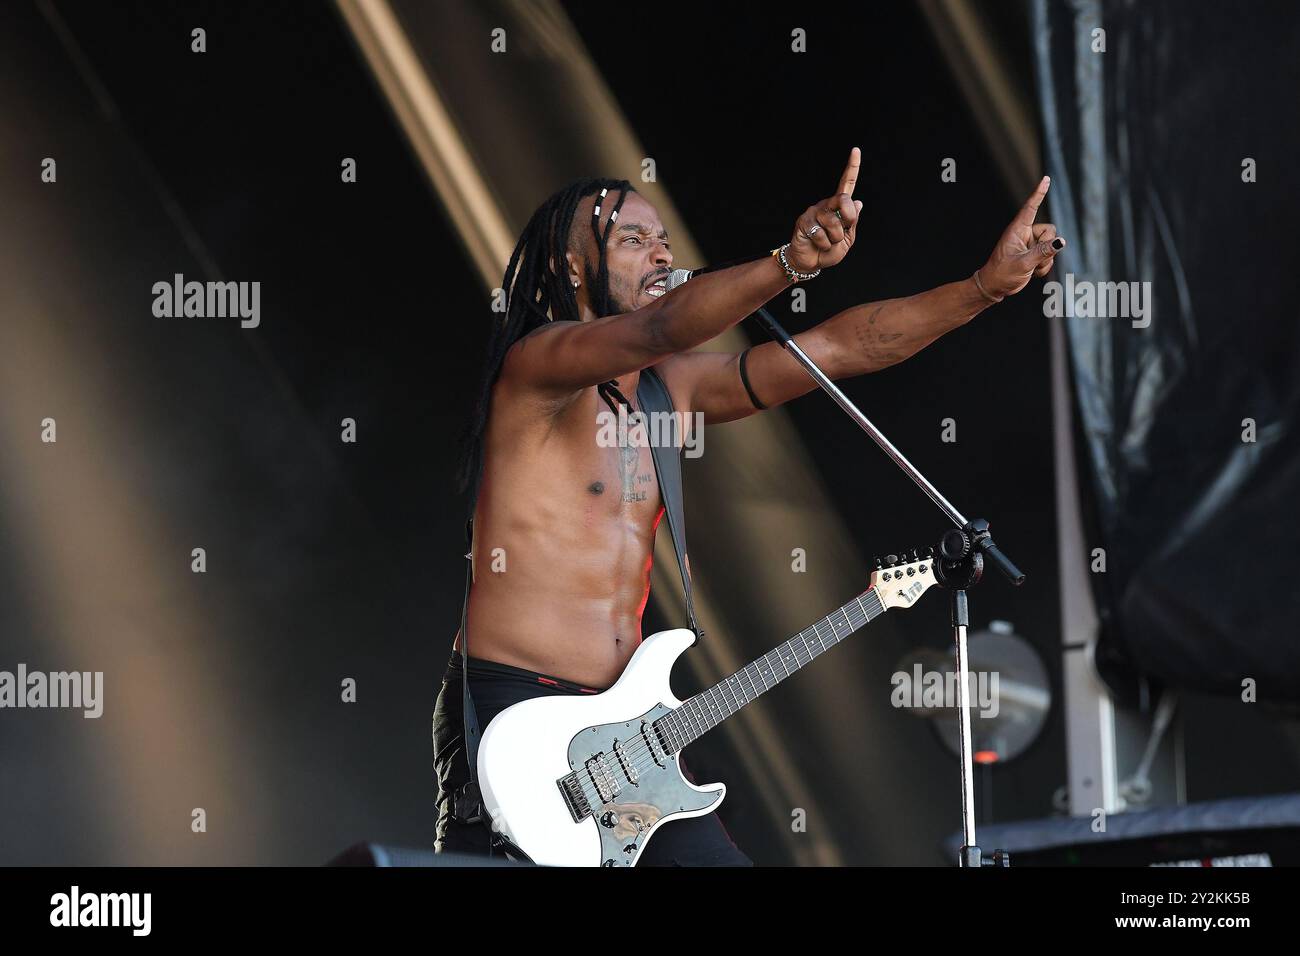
958,565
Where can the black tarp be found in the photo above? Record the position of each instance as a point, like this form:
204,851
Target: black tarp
1147,143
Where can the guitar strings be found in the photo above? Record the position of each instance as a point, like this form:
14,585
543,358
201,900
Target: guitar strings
636,752
640,748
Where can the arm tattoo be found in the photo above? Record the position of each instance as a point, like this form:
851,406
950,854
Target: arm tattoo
871,341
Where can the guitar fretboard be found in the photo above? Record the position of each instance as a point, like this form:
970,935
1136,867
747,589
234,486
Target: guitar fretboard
697,716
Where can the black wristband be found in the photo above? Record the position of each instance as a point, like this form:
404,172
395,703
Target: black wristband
744,380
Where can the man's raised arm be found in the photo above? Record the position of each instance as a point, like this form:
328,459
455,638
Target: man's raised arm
566,356
867,337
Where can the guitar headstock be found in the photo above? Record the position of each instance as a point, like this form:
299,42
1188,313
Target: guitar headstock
900,580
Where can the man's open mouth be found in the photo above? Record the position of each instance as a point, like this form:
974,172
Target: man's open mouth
657,288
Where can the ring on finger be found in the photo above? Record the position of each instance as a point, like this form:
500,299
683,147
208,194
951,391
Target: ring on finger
812,232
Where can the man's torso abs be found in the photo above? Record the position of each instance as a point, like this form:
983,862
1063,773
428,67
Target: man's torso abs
563,536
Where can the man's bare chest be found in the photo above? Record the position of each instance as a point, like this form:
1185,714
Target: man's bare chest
622,478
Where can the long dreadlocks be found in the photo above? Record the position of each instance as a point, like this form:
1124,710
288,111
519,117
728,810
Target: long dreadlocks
538,291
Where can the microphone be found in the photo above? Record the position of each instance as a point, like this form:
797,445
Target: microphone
678,276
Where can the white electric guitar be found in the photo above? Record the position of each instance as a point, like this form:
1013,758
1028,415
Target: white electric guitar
586,781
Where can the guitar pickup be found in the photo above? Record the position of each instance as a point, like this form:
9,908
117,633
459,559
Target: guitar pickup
629,769
607,786
650,734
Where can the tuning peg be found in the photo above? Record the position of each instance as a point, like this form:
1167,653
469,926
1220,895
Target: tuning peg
916,554
877,563
891,560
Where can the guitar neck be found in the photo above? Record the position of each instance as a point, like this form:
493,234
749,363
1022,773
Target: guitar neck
697,716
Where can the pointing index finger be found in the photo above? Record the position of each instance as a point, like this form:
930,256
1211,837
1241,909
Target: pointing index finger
849,179
1029,210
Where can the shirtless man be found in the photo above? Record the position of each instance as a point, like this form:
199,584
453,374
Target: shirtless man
564,528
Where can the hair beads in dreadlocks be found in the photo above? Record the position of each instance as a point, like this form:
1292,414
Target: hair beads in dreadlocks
538,291
607,390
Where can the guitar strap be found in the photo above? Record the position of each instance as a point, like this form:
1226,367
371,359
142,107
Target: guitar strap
652,396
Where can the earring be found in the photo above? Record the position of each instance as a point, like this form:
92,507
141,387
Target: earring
575,285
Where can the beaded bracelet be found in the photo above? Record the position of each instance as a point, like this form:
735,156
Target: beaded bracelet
790,274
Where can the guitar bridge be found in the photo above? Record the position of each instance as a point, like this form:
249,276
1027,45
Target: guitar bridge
571,791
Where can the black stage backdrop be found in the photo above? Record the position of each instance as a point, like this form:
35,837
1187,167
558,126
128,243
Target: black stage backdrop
1172,156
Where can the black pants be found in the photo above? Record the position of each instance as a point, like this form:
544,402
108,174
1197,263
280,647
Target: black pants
697,841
